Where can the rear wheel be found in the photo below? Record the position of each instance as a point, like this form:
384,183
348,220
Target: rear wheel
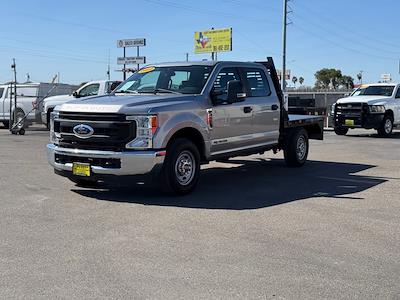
181,169
296,149
386,127
6,124
341,130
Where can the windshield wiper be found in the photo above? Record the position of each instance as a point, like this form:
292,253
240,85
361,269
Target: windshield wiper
126,92
158,90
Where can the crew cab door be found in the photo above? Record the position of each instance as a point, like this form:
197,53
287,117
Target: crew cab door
264,104
396,108
2,102
231,122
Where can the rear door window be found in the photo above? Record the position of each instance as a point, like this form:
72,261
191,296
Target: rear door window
257,82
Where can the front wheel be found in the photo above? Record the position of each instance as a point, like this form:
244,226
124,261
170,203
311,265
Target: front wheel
296,148
386,127
341,130
181,169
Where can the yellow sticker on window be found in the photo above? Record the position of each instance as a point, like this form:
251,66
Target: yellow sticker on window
146,70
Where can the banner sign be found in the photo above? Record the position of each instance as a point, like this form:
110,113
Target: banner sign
214,40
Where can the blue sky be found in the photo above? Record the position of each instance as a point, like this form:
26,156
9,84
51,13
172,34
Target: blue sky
75,37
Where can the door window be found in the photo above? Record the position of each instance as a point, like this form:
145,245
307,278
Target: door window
257,83
220,86
1,92
398,93
90,90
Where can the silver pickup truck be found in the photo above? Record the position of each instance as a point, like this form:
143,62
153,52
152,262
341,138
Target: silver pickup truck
168,119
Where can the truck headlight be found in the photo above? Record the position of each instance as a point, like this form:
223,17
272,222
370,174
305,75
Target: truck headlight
377,108
333,109
54,135
146,127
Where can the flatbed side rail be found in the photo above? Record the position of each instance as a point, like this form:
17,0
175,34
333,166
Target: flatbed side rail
313,125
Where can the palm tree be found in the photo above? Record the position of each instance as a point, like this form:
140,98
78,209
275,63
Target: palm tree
301,80
294,79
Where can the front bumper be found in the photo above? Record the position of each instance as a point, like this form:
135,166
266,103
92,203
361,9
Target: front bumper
128,162
365,120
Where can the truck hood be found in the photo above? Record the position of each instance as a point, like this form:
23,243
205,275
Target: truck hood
371,100
132,104
56,100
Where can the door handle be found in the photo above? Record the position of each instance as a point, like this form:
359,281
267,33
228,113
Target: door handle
247,109
274,107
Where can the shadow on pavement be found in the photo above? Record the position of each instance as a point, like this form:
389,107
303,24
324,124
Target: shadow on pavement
252,184
373,134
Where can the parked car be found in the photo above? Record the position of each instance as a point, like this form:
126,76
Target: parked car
92,88
168,119
375,107
28,95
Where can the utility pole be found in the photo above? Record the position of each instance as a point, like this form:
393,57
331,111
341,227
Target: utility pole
108,69
285,13
187,56
124,64
14,67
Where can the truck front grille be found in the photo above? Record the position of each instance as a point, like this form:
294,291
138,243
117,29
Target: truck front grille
111,132
352,110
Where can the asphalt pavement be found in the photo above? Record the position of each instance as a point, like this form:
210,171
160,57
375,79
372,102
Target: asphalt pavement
254,229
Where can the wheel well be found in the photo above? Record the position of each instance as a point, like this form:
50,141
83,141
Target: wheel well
193,135
390,114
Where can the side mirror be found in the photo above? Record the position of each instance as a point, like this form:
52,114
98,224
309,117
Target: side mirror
235,91
75,94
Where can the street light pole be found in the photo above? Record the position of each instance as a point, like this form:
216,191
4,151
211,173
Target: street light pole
285,12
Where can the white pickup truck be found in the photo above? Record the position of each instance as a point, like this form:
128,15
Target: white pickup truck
375,107
92,88
28,95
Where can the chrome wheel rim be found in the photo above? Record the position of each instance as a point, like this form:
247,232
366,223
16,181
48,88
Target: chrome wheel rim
301,148
185,167
388,126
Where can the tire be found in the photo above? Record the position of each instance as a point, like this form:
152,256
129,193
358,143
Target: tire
20,115
181,169
386,127
296,149
6,124
341,130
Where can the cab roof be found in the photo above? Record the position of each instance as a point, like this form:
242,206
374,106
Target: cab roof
200,63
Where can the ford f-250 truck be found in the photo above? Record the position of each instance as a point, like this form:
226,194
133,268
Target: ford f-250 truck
376,106
168,119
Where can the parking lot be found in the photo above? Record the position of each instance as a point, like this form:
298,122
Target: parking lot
253,229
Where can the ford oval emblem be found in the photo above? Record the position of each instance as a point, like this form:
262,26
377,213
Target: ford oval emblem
83,131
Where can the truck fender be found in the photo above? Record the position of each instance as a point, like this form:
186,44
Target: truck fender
179,122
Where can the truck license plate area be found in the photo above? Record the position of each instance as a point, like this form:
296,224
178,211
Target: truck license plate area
349,122
81,169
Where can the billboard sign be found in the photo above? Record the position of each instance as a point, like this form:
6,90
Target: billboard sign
214,40
131,43
386,77
279,73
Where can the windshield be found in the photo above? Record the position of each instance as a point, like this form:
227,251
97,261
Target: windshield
378,90
174,79
357,91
